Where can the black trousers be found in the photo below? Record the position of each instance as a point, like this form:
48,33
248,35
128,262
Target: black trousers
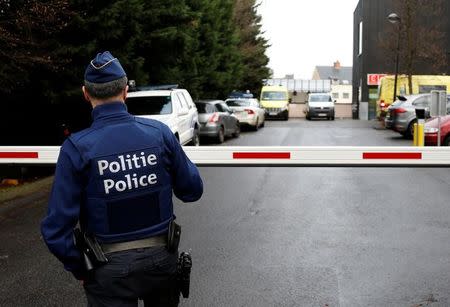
148,274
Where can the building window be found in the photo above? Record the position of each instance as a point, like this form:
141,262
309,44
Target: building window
335,95
360,38
346,95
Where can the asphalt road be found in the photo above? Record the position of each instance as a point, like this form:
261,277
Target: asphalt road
281,236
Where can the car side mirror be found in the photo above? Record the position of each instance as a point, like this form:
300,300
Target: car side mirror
334,101
290,100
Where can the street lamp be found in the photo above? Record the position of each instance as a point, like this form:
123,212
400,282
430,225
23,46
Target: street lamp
394,18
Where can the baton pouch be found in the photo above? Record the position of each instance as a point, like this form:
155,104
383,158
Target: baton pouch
173,237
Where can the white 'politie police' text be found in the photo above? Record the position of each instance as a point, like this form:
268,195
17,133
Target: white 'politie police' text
125,164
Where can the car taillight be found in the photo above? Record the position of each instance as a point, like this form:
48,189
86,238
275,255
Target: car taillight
249,112
399,110
214,118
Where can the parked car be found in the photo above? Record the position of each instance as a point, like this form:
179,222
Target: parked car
174,107
320,105
431,131
401,115
248,111
217,120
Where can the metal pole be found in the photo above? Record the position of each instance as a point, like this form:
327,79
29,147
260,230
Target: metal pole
397,64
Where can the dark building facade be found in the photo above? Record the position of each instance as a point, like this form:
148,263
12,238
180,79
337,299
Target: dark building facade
370,28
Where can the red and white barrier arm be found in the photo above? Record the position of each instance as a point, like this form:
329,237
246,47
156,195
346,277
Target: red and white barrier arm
270,156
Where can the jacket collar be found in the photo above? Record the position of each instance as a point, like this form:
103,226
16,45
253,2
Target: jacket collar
110,110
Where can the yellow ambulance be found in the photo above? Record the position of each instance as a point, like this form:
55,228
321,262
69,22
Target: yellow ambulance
275,101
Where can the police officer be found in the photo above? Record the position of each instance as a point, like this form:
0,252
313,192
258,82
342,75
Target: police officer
116,180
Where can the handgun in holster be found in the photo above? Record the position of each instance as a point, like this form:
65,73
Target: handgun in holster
90,249
173,237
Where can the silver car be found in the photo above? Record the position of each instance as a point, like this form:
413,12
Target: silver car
248,111
401,115
217,120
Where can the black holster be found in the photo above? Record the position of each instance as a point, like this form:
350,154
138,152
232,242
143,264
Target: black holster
184,273
90,250
173,237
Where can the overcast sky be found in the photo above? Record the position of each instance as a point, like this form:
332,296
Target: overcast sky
306,33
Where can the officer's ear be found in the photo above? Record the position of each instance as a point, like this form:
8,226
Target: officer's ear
125,93
85,94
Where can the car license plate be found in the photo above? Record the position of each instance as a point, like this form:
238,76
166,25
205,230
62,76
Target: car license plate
322,114
273,113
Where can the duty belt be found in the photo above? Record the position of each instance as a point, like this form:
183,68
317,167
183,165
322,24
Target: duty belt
142,243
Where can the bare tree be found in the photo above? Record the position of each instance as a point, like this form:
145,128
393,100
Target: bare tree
28,37
422,37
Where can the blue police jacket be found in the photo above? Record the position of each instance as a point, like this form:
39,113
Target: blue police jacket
116,179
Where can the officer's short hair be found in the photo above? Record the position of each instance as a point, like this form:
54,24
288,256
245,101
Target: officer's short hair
106,90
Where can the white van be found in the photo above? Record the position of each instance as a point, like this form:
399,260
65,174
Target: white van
320,105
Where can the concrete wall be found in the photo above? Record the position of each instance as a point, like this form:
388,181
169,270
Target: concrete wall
343,110
296,110
301,97
297,107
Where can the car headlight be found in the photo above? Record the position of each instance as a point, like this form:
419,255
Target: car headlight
430,130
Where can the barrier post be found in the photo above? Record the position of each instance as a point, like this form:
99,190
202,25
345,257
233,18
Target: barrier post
416,135
420,114
421,134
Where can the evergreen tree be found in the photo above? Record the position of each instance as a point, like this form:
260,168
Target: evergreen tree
169,43
252,45
218,58
209,47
